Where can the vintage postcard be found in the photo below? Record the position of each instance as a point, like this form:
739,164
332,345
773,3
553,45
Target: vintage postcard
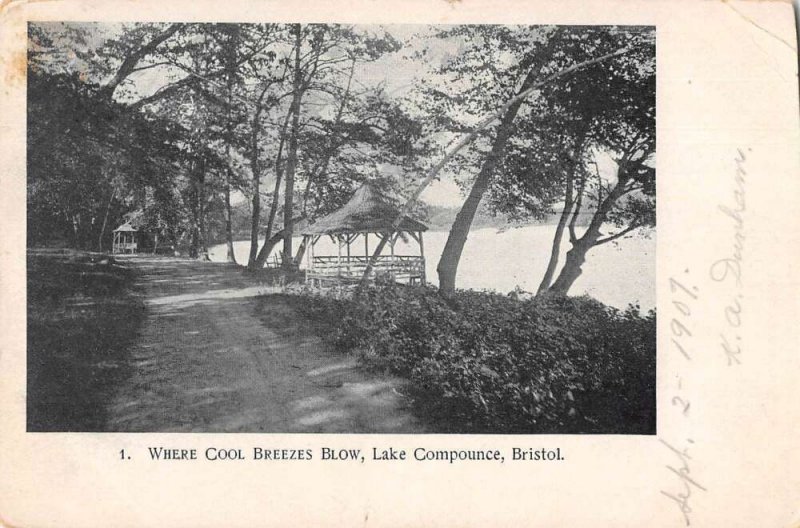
439,263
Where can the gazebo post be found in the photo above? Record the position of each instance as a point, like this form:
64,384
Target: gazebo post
392,240
422,254
339,257
349,239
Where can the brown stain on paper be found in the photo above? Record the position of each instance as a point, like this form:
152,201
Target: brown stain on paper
16,68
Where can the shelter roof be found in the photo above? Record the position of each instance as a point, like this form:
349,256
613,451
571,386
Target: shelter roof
368,211
126,227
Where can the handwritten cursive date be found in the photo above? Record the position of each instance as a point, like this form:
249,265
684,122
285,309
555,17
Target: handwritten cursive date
688,483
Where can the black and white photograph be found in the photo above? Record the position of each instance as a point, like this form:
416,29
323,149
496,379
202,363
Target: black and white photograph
335,228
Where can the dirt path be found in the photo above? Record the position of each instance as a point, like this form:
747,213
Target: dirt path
215,354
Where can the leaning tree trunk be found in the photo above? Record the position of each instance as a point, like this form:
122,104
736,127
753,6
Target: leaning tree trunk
273,241
267,248
301,252
448,263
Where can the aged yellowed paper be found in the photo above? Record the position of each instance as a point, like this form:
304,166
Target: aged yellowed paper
399,264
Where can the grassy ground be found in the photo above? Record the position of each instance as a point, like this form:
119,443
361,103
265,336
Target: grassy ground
82,316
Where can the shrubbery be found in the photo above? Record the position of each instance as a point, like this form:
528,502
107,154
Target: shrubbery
483,362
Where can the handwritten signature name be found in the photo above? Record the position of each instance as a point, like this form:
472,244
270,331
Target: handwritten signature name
728,270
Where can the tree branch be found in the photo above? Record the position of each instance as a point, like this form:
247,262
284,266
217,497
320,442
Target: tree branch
128,65
616,235
163,92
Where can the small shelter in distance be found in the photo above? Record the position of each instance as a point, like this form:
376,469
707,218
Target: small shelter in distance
125,239
368,212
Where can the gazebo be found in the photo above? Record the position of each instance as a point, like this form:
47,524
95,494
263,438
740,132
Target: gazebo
125,239
368,212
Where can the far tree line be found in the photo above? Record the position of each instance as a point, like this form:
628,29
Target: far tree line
278,113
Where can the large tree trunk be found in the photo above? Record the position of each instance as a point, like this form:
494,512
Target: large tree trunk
105,221
198,247
571,270
255,221
569,203
266,248
576,256
230,68
555,250
291,158
448,263
231,256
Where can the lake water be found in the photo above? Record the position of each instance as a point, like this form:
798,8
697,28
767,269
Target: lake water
614,274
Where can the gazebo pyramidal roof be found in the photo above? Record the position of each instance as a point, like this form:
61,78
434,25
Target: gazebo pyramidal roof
368,211
126,228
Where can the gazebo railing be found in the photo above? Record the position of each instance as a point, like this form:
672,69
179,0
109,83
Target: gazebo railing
397,267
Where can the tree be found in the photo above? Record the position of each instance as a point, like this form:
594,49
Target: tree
626,133
551,160
321,60
89,158
535,58
84,129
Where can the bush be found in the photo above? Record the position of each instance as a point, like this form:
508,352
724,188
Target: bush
484,362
